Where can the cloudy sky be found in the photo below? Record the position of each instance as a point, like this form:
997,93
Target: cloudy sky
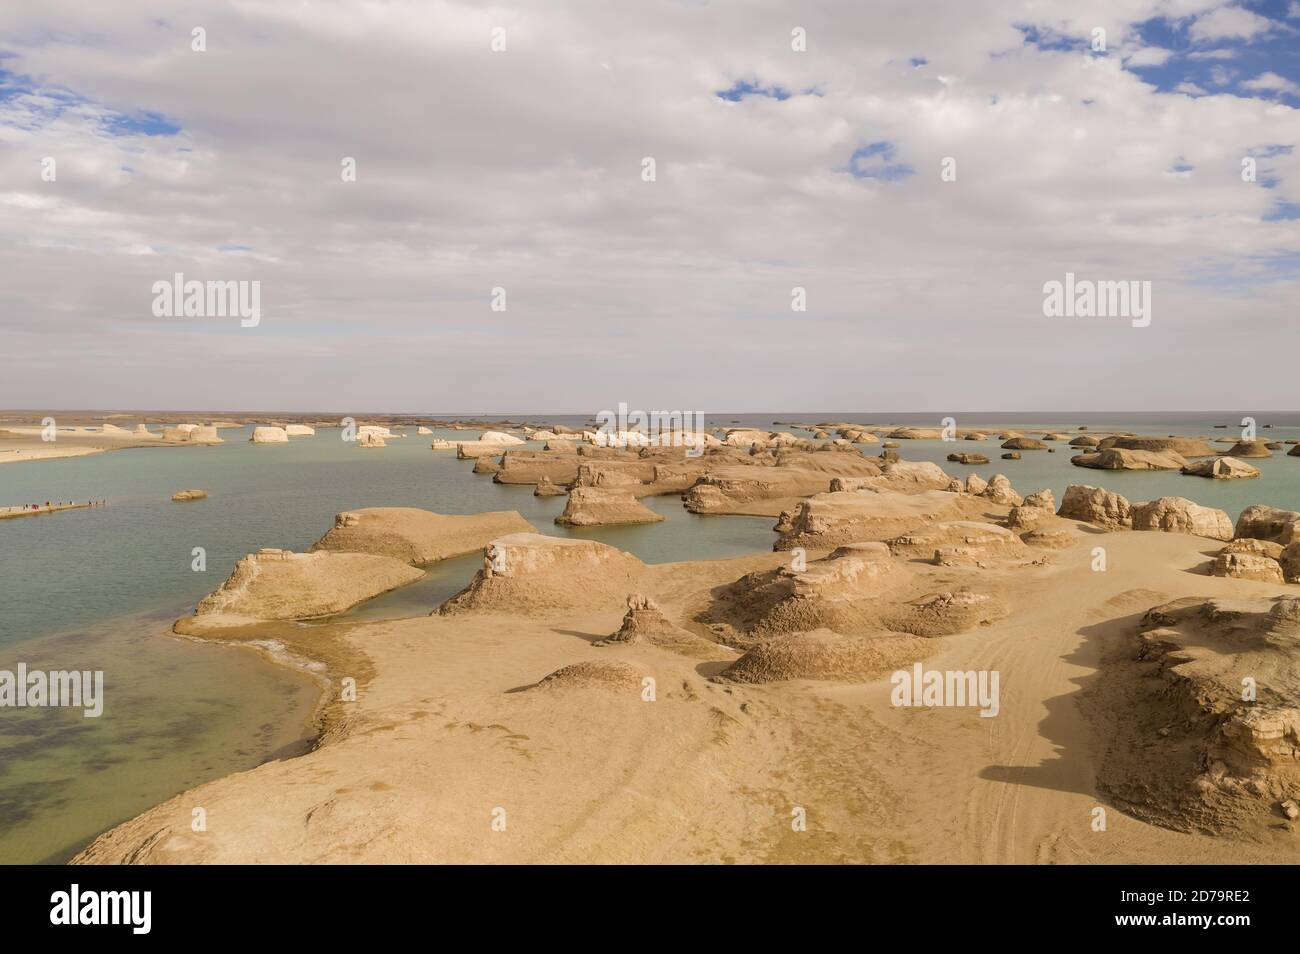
775,168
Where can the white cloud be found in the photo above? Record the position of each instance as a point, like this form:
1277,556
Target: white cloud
522,169
1148,56
1221,75
1271,82
1229,23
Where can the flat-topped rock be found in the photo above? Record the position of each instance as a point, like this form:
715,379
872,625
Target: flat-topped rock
604,507
832,519
269,435
280,584
1115,458
528,573
1023,444
183,495
958,542
1221,468
1184,446
417,536
1249,449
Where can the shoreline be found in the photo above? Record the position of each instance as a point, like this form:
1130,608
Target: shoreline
524,683
128,647
465,693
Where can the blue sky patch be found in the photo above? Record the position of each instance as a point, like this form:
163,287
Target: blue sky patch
876,161
146,124
45,104
1266,66
742,88
1283,211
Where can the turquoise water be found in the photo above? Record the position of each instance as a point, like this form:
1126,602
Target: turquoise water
98,588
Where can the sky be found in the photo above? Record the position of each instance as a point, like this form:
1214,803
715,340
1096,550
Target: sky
921,170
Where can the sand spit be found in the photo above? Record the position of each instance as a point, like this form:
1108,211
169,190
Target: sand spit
25,443
35,510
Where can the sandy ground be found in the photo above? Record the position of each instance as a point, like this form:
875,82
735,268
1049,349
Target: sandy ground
18,443
452,752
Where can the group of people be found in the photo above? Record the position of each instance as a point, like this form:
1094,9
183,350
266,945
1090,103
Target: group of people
64,503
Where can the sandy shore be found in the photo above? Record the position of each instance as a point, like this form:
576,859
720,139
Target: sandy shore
498,730
20,443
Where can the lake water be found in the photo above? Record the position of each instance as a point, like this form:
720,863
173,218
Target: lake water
99,588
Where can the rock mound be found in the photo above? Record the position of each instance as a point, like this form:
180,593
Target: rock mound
947,613
1222,762
618,677
1185,446
1050,538
1250,560
1221,468
825,655
840,592
602,507
963,542
279,584
1117,459
269,435
1249,449
545,487
529,573
184,495
828,520
645,622
1096,506
1262,522
417,536
1000,491
1180,515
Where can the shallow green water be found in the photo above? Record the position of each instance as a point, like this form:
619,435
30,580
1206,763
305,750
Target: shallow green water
99,588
